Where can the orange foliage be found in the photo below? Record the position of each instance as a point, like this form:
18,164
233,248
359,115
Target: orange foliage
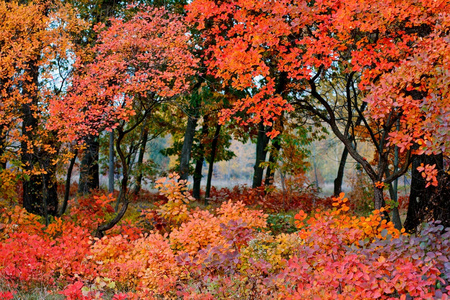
209,256
90,211
352,228
203,229
147,263
175,211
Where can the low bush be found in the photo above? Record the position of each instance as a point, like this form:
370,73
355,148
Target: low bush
227,253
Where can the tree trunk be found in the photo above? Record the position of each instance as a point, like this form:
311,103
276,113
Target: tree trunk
187,147
102,11
420,205
272,160
100,231
2,146
211,162
142,146
316,178
393,192
123,193
196,190
395,213
89,173
40,195
32,186
49,186
68,182
39,191
261,144
340,174
378,197
199,163
123,159
111,163
441,200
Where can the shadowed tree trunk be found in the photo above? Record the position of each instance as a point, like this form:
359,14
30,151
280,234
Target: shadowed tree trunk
89,171
39,190
111,163
187,147
68,182
196,189
40,194
261,152
393,194
199,163
189,134
395,213
340,174
49,184
122,198
424,202
276,143
2,146
211,162
442,200
263,140
125,163
142,146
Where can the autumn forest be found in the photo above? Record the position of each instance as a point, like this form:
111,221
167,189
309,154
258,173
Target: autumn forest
118,118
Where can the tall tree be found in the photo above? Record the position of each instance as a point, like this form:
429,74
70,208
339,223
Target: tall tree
262,141
36,44
196,188
94,13
315,41
186,149
139,62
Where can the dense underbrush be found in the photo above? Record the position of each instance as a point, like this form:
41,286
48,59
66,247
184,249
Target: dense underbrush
175,251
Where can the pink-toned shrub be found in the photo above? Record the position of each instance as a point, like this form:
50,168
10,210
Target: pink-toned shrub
227,255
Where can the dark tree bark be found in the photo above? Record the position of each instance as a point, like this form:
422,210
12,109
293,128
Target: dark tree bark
39,190
261,152
68,182
40,194
441,200
427,202
379,139
187,147
199,163
2,146
395,213
263,140
89,170
49,184
276,143
193,115
378,198
142,146
111,163
393,192
122,198
211,161
125,162
196,189
125,176
340,174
